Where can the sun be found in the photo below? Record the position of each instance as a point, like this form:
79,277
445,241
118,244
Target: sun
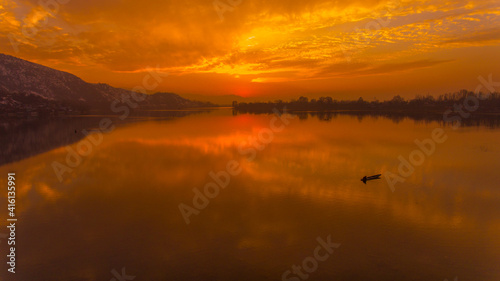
243,92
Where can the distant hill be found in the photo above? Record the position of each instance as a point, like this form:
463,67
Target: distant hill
29,86
224,100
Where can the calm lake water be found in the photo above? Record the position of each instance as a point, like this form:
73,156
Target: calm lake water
119,209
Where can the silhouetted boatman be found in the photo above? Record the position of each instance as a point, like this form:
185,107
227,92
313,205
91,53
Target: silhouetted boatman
375,177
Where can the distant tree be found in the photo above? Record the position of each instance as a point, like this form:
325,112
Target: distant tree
398,100
326,100
361,101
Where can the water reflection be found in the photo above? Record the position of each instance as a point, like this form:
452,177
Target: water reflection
491,120
119,208
22,138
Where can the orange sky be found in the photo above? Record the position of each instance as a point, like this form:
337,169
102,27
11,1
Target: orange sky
267,49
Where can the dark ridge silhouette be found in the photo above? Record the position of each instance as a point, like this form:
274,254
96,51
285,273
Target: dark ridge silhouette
420,109
420,104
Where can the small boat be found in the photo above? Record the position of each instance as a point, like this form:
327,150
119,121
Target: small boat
374,177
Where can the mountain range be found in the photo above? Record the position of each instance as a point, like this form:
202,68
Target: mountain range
27,86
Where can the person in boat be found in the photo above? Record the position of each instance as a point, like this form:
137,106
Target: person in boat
374,177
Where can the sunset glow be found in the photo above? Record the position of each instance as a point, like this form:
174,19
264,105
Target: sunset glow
264,49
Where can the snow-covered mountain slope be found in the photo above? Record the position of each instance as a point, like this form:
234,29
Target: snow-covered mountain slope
38,82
